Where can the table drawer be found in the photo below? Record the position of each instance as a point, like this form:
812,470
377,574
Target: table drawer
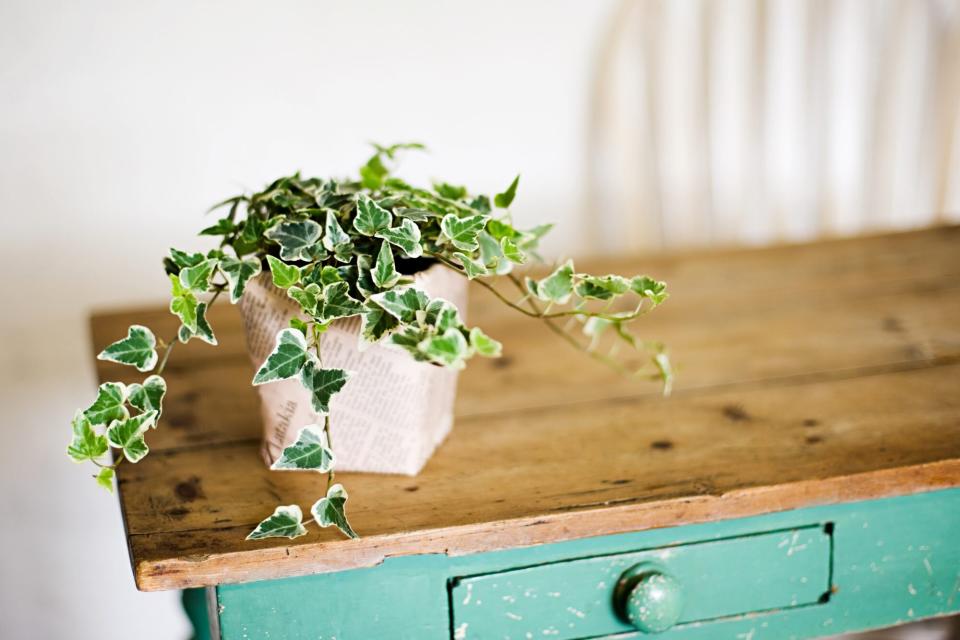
701,581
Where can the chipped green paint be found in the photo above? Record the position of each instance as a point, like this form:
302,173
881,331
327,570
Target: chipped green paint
893,561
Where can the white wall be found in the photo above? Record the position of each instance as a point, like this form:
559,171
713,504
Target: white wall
120,122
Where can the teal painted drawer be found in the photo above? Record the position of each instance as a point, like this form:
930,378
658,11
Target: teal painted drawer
587,597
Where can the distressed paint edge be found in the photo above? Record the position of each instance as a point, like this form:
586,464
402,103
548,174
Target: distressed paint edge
339,555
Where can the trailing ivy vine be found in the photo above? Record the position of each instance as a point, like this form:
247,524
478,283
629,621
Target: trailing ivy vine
344,248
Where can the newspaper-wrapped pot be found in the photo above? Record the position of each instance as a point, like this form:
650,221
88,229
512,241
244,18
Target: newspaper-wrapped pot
392,413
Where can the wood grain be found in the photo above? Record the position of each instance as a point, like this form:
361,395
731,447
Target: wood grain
809,374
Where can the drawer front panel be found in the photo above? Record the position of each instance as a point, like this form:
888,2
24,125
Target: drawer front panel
575,599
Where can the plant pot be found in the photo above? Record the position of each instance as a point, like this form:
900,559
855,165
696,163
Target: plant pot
392,413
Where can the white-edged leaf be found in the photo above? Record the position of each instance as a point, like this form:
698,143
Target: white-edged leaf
442,314
332,510
558,286
406,237
197,277
375,323
105,478
463,232
286,360
128,435
371,218
337,303
149,395
403,304
183,259
138,349
335,239
108,405
286,522
471,267
183,304
322,384
296,239
483,344
310,452
86,443
654,290
384,270
602,287
238,272
448,349
203,331
511,251
308,297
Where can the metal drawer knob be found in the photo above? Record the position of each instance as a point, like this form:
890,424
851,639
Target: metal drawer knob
649,598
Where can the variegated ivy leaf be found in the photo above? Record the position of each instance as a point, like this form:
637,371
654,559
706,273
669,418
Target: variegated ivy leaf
332,510
365,281
296,239
337,303
322,384
284,275
183,259
86,444
308,297
384,272
183,304
375,323
409,338
654,290
105,478
403,304
442,314
197,277
662,362
406,236
238,272
334,235
149,395
371,218
558,286
602,287
503,200
286,360
511,251
286,522
108,405
128,435
483,344
471,267
138,349
448,349
491,255
310,452
203,331
322,275
462,232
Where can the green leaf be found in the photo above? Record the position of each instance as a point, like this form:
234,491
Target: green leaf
109,404
308,297
403,304
337,303
322,384
448,349
183,259
149,395
463,232
471,267
483,344
299,325
184,304
296,239
503,200
602,287
286,522
409,338
197,277
375,323
224,226
128,435
137,349
481,204
491,255
373,173
238,272
371,218
86,444
384,272
662,362
442,314
406,236
511,251
286,360
284,275
105,478
654,290
310,452
450,191
500,230
558,286
203,331
331,510
335,239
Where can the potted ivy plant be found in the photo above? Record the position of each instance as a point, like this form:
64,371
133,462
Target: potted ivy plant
323,269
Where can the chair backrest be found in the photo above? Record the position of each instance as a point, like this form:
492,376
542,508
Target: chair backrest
752,121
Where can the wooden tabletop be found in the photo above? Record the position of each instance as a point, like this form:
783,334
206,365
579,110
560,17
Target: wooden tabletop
807,375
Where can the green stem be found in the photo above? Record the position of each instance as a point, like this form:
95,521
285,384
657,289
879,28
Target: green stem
326,419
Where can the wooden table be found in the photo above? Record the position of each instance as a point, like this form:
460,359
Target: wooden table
801,481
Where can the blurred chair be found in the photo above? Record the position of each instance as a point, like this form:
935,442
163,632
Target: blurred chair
753,122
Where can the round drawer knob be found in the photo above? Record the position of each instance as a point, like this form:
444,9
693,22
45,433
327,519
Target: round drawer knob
650,598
